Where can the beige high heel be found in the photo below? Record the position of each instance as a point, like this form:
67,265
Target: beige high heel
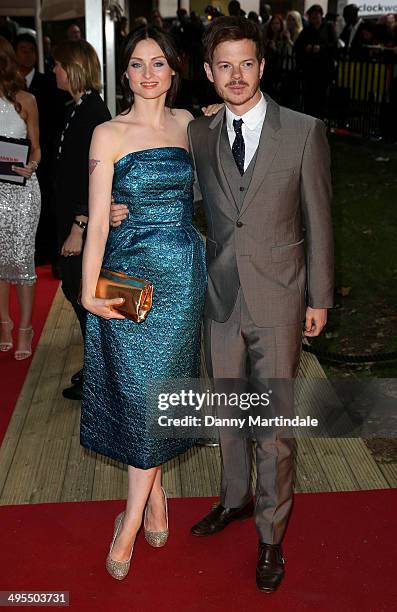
118,569
157,539
7,346
26,353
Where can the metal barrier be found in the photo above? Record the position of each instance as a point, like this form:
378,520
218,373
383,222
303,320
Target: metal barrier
363,96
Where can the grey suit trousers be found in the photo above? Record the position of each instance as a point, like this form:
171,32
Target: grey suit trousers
240,350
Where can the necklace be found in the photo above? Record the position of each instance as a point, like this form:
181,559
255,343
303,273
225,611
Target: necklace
77,104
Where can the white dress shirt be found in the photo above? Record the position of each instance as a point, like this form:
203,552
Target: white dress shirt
29,77
251,128
353,32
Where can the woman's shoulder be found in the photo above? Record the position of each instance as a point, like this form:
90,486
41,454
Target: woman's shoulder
107,129
183,116
26,99
107,136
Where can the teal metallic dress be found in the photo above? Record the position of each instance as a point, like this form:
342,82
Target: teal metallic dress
157,242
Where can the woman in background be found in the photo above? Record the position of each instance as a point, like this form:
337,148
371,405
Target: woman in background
293,29
274,42
19,206
77,71
290,85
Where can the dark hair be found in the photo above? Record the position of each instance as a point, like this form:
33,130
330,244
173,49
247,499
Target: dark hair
10,80
234,8
350,10
167,46
316,8
231,29
25,38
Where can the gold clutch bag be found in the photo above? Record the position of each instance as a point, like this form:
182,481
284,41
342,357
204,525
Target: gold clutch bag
137,293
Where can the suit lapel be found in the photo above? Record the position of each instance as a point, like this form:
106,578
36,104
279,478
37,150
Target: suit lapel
269,143
214,137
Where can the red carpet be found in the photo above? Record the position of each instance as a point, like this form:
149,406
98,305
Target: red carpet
13,372
338,549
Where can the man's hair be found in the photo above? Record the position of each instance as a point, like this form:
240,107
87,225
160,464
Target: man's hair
80,61
226,29
234,8
350,10
316,8
25,38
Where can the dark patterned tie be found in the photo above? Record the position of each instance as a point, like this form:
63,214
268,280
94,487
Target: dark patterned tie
238,148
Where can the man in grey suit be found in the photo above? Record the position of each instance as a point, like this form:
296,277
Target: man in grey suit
264,175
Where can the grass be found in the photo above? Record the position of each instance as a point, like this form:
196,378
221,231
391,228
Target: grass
364,319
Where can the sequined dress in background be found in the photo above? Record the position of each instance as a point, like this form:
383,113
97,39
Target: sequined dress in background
157,242
19,211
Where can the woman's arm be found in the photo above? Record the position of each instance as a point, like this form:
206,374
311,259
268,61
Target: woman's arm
31,117
100,192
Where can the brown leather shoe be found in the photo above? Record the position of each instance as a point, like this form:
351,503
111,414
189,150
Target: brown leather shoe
220,517
270,567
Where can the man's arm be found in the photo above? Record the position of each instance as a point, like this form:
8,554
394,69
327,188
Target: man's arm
316,195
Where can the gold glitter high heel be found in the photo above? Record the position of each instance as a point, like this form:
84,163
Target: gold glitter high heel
6,346
117,569
157,538
21,354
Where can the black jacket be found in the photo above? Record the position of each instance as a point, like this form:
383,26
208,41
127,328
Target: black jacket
321,64
71,174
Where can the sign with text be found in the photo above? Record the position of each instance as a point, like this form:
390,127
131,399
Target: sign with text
14,152
376,7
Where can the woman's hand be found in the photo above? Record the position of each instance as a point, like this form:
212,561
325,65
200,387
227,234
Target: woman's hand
25,171
102,307
73,244
211,109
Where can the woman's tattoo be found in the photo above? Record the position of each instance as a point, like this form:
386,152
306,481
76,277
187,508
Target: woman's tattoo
92,164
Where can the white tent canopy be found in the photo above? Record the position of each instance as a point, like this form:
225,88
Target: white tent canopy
58,10
50,10
23,8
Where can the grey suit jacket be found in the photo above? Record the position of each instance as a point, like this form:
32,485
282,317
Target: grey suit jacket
278,247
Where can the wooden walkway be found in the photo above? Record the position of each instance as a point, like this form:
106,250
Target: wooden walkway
41,459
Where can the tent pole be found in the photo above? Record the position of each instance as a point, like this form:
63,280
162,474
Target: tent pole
39,34
93,27
110,64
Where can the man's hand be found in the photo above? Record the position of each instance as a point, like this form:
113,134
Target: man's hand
211,109
118,212
316,318
73,244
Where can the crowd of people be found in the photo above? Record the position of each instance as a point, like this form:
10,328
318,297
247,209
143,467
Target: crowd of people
301,51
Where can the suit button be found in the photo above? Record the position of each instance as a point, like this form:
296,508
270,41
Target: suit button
239,223
242,188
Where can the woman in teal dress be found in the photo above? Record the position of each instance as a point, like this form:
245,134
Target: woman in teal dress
141,159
